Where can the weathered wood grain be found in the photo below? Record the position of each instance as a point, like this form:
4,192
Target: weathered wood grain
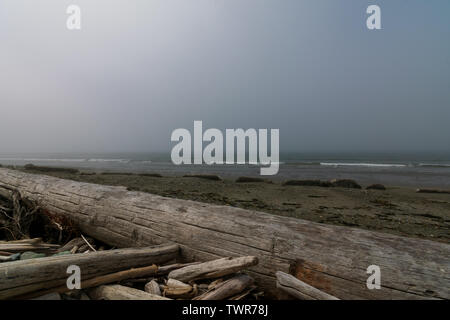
153,288
213,269
25,276
227,288
330,258
299,289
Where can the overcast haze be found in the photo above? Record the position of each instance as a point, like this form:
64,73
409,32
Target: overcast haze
139,69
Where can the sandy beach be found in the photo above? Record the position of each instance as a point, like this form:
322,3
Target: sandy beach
396,210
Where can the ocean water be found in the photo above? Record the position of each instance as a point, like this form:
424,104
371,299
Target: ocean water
415,170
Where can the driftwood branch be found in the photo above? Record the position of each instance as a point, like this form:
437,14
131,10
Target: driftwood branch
27,246
213,269
299,289
227,288
26,276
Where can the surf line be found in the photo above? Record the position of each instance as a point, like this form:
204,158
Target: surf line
257,147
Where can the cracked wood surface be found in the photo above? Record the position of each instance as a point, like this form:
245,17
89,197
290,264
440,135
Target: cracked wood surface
330,258
27,276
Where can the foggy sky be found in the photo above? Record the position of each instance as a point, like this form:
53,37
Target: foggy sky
140,69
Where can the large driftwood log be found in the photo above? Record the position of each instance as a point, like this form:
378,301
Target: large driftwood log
213,269
25,276
330,258
299,289
118,292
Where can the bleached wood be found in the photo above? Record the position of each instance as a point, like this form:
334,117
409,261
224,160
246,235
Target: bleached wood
213,269
26,276
227,288
105,279
153,288
177,289
119,292
299,289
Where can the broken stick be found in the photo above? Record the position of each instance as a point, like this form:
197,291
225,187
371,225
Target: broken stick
213,269
299,289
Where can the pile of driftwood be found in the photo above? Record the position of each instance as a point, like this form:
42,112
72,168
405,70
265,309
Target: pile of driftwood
121,274
38,268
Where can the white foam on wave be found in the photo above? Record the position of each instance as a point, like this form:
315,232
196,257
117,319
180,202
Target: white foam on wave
350,164
109,160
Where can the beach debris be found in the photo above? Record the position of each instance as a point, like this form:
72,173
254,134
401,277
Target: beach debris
299,289
22,219
376,186
204,176
345,183
106,270
35,245
177,289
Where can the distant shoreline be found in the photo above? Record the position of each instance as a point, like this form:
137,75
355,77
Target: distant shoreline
420,175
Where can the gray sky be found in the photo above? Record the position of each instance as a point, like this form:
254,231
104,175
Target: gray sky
139,69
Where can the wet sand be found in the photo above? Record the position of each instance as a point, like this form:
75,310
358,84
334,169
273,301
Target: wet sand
396,210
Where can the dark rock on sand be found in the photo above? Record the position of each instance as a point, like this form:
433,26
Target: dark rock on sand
153,175
432,191
32,167
310,183
204,176
111,173
345,183
376,186
249,179
87,173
